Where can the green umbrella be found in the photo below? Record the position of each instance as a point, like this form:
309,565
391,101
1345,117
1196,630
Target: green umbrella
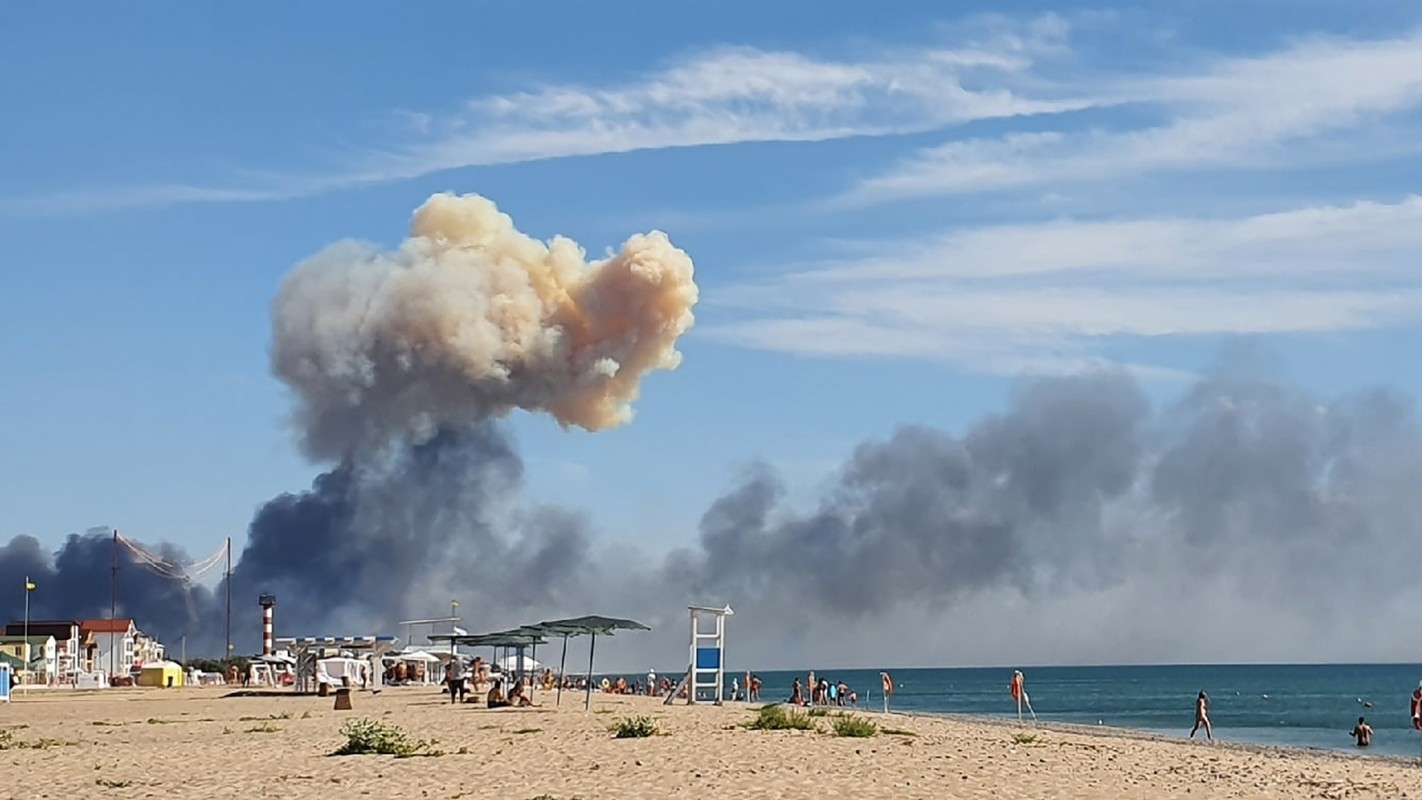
577,626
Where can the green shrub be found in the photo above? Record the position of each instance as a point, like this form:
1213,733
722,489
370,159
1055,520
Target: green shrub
1023,738
819,712
856,727
366,736
777,718
633,728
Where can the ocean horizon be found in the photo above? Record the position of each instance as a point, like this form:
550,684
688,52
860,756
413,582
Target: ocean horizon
1287,705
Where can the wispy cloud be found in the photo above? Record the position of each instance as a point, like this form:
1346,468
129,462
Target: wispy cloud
1042,297
1237,112
722,96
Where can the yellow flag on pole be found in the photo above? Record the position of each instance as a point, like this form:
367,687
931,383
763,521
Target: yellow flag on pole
29,587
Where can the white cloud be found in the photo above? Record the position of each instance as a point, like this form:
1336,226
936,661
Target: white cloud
1238,112
1041,297
724,96
731,95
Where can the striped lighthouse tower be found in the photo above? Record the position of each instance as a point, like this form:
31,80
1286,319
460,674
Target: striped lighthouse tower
268,602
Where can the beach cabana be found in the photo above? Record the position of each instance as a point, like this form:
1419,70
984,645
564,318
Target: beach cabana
160,673
307,649
592,626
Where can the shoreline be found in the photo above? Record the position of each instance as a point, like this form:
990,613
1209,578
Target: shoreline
201,743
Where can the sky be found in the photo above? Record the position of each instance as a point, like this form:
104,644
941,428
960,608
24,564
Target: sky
895,214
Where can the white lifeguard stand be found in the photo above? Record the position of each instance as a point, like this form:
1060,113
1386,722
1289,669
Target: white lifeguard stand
708,652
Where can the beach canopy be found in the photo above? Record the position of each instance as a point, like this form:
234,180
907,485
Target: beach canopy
591,626
416,655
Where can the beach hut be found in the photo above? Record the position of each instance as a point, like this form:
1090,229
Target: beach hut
160,673
4,682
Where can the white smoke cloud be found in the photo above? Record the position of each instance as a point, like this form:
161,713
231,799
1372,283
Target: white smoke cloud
467,319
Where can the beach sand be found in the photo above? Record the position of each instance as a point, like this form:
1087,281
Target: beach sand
196,743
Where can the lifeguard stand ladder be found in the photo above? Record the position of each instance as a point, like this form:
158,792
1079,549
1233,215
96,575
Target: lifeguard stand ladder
708,652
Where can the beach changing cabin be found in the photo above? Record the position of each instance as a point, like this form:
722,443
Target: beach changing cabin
161,673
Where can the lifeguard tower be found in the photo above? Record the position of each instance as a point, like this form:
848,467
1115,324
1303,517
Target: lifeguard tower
708,653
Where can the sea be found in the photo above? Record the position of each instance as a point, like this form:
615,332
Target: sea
1291,705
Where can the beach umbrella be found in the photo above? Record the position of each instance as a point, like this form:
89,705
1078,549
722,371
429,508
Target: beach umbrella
590,625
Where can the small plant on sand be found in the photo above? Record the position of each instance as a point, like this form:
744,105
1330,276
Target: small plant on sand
370,737
633,728
1024,738
855,727
109,783
896,732
777,718
9,742
265,727
819,712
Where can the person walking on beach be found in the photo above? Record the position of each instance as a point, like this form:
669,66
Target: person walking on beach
1363,732
888,685
454,676
1202,716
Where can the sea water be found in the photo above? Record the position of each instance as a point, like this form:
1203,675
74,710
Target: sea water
1293,705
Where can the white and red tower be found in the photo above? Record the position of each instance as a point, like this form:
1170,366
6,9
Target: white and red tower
268,602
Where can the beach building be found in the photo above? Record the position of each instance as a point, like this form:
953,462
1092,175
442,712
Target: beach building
146,649
110,645
36,653
67,642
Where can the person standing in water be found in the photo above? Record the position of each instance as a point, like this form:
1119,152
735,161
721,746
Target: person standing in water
1363,732
888,687
1202,716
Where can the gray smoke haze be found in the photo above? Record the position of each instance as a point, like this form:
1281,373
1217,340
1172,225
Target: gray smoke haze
1244,521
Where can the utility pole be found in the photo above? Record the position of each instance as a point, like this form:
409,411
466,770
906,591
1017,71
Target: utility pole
454,614
113,610
29,655
229,597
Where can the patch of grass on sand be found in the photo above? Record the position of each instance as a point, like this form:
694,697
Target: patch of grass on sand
1024,738
283,715
819,712
265,727
370,737
109,783
9,742
855,727
633,728
896,732
777,718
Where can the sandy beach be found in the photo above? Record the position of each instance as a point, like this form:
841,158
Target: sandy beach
198,743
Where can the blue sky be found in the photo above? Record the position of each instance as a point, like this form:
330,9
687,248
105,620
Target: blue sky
894,213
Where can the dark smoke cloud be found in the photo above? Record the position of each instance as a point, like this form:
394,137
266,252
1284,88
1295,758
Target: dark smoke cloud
1246,520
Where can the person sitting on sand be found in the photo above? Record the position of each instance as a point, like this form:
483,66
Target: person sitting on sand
797,696
1202,716
1363,732
495,698
517,697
